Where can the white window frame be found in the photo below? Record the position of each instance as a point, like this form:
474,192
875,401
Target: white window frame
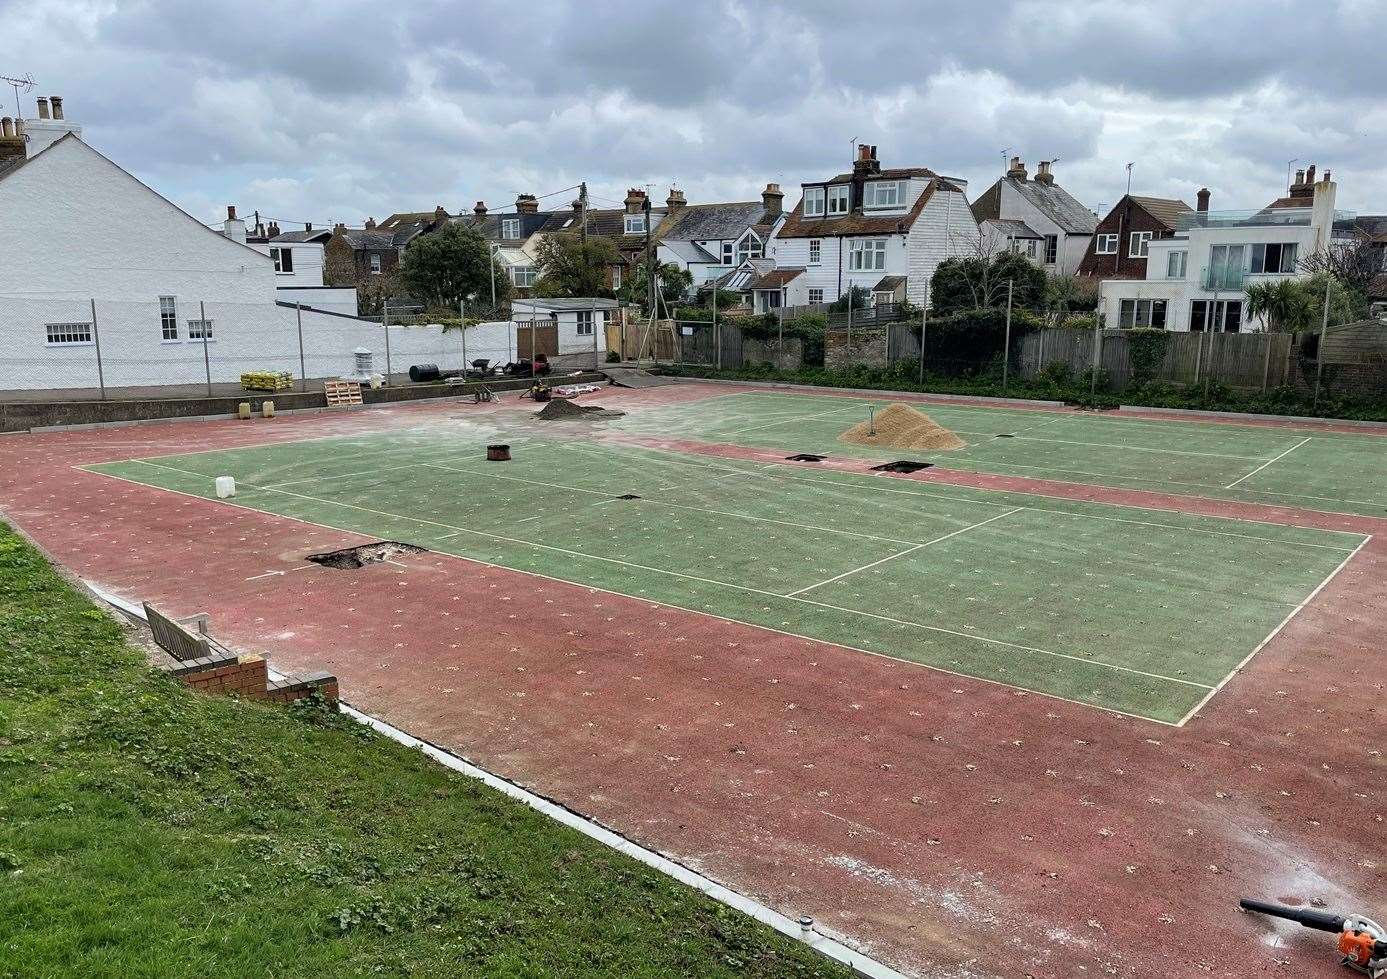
1106,244
374,261
839,200
875,190
867,255
1139,244
813,293
1052,249
616,276
73,334
507,224
633,224
1177,264
748,247
816,251
202,331
583,322
283,259
523,276
168,319
815,202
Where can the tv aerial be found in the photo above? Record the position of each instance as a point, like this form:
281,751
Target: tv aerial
23,84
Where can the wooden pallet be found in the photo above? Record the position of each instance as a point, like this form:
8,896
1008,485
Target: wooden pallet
342,393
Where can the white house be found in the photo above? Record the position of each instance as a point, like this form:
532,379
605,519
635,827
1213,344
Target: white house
582,325
1038,215
1197,279
708,240
154,297
874,228
297,257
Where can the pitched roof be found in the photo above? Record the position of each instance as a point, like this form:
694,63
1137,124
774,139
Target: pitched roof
1166,210
715,222
1049,199
1013,229
609,224
567,304
856,222
691,252
317,234
406,218
1372,225
889,283
380,240
489,226
900,173
776,278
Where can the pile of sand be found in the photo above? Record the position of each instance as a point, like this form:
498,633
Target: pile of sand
562,409
900,426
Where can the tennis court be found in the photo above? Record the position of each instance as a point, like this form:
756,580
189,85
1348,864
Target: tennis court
1140,612
1309,468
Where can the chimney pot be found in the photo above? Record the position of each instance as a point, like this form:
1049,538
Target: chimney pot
866,163
675,200
1300,176
1043,174
274,229
1203,200
57,102
43,107
1017,170
1310,174
1326,175
308,226
338,228
370,224
479,209
6,128
526,204
231,212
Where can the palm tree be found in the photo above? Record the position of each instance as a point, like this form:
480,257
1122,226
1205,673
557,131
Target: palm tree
1284,305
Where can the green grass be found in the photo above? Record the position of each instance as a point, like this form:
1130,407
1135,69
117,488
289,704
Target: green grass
1315,470
149,831
1132,610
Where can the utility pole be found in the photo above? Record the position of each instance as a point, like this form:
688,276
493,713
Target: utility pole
1006,350
1129,184
583,212
649,256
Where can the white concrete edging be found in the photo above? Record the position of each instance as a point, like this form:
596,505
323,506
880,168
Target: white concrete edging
1235,415
868,392
828,947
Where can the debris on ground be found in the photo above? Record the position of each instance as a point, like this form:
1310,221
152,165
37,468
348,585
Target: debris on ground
901,426
562,409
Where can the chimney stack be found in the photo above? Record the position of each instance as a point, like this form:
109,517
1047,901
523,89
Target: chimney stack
234,228
772,199
43,107
12,145
526,204
6,128
370,224
231,212
1299,177
274,229
337,228
675,200
439,214
57,102
1043,174
1017,170
866,163
1310,174
635,201
479,209
1203,200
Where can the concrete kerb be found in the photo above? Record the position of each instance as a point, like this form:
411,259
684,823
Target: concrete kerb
1250,416
830,948
869,392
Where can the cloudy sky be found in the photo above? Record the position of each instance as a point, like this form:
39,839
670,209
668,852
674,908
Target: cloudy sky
334,111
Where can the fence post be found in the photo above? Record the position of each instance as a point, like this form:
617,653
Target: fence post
924,325
96,339
462,319
1319,347
1266,361
849,319
1040,353
780,341
206,354
596,358
1006,348
1097,355
385,325
303,367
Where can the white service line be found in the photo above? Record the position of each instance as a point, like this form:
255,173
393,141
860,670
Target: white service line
787,421
271,574
1267,463
892,557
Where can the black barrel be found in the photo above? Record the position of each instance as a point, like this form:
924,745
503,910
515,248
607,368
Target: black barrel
1319,920
424,372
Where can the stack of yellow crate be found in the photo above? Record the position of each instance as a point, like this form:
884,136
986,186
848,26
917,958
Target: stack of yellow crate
267,381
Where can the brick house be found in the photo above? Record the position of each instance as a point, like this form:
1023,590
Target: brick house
1119,246
356,256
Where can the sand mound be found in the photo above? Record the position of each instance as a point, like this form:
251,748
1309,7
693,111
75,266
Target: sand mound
900,426
563,409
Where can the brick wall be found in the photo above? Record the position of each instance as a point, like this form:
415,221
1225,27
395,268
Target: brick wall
868,348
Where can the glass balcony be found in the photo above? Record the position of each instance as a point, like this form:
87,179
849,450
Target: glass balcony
1266,217
1223,278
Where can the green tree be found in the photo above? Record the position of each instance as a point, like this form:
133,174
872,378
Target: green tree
857,295
450,265
980,282
1285,306
570,267
674,286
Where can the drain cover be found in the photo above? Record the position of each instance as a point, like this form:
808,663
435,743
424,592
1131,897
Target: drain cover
902,466
805,457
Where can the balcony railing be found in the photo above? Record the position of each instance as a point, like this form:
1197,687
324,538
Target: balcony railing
1223,279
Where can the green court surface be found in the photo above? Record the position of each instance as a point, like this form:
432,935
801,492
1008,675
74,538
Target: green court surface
1308,468
1138,611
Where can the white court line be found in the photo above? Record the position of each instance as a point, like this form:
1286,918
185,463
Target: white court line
1268,463
1137,448
1274,633
892,557
784,421
664,603
713,581
271,574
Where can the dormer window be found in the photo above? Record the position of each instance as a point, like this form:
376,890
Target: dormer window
635,224
510,228
839,200
884,194
749,247
813,202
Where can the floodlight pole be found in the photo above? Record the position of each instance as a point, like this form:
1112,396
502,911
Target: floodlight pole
1097,351
385,325
1319,347
303,367
96,339
462,319
206,354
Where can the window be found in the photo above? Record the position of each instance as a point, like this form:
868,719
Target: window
1142,313
815,250
375,264
635,224
523,275
727,252
813,202
510,227
68,334
283,259
1052,249
1222,316
1226,266
168,317
1107,245
839,200
1175,264
1273,257
816,296
867,254
884,193
616,276
1031,247
748,247
585,322
1137,247
199,329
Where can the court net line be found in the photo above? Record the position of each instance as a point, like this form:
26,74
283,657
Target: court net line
708,581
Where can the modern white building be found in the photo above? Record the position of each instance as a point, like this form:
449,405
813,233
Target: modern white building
105,283
1197,280
873,228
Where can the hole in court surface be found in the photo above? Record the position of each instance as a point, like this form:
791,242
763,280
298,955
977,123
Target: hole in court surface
805,457
628,496
902,466
1004,435
349,558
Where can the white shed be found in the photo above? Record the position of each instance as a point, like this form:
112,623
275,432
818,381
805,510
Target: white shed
581,322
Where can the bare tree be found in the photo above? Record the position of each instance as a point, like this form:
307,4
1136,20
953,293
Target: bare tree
1353,263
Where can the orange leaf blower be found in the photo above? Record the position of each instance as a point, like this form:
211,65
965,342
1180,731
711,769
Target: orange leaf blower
1362,941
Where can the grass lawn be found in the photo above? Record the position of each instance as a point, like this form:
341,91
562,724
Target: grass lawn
149,831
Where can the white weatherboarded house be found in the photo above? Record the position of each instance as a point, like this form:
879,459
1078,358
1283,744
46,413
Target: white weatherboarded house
1052,225
105,282
875,227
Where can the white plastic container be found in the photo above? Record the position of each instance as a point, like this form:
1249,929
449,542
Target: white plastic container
226,487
